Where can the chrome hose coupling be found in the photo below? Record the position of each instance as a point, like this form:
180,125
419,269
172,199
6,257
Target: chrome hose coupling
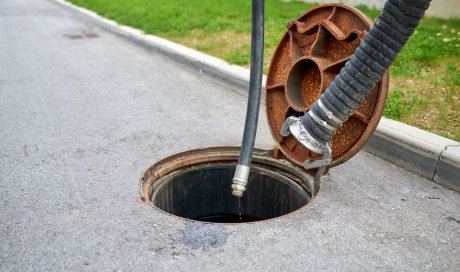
240,180
294,126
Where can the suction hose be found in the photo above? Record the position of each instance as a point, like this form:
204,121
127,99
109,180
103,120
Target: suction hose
361,73
240,178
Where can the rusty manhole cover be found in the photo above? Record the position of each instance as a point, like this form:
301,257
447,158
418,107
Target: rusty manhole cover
309,56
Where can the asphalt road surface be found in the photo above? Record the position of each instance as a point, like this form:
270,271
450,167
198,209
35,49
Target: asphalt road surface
83,113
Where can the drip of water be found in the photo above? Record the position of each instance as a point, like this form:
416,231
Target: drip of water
239,209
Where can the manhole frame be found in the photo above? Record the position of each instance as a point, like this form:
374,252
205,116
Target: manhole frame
162,171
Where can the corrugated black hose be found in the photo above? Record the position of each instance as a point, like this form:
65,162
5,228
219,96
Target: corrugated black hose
255,89
361,73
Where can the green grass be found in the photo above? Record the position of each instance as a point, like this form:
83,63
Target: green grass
399,103
435,40
177,18
425,76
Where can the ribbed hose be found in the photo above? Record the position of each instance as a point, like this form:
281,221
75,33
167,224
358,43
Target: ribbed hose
361,73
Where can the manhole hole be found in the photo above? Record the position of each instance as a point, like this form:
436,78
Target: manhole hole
197,185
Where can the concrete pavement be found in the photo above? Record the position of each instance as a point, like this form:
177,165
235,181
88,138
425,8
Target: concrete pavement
83,113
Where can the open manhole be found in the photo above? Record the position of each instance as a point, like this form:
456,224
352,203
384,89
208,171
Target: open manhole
197,185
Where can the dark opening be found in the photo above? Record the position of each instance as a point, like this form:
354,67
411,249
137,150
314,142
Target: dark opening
303,84
205,194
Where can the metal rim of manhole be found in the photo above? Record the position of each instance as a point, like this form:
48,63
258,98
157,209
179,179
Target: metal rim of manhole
309,56
196,185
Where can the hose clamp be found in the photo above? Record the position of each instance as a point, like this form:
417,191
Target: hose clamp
329,113
321,122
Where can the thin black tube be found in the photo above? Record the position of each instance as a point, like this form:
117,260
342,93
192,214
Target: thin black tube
255,83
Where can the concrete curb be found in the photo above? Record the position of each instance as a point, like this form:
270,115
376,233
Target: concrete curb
426,154
421,152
